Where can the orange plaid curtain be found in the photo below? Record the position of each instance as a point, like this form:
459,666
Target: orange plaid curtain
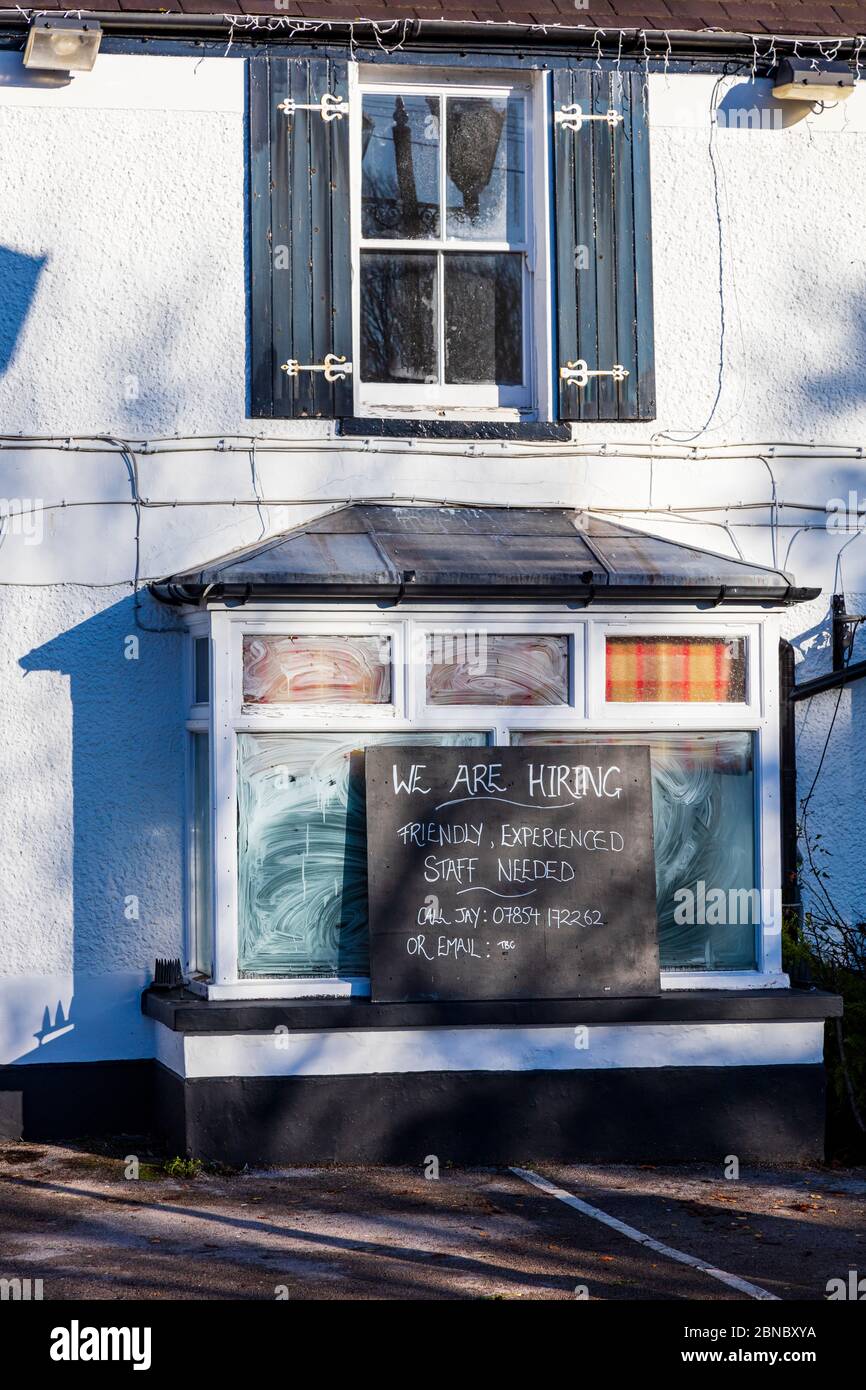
689,669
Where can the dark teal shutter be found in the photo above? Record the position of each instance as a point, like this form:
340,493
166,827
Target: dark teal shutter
300,250
604,310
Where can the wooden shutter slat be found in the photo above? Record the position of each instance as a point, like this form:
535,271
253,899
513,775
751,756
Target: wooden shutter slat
602,202
261,365
303,253
565,234
321,298
583,405
640,153
280,250
626,288
300,197
604,139
341,247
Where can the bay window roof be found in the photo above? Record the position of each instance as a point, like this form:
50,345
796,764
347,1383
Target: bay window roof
422,552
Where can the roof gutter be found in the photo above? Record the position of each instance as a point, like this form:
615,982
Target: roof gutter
192,593
642,44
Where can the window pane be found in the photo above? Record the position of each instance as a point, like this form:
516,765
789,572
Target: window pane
400,166
302,847
300,670
201,692
485,165
484,318
709,907
497,668
398,318
686,668
200,907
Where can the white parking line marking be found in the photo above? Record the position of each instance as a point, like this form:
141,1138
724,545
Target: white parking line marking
753,1290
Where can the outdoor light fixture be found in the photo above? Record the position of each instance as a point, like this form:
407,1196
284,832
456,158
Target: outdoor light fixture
797,80
62,45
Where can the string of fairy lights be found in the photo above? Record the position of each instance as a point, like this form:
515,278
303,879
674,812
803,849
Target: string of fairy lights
392,36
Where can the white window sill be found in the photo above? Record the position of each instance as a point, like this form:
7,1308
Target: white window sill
724,979
360,988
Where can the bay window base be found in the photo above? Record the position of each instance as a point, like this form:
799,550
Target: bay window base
672,1078
660,1115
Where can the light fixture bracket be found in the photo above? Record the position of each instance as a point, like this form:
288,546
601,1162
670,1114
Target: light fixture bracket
797,79
57,43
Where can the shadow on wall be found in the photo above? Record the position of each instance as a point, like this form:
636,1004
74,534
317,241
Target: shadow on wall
750,105
14,74
19,278
835,382
126,693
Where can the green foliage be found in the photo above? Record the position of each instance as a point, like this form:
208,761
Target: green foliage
183,1167
824,950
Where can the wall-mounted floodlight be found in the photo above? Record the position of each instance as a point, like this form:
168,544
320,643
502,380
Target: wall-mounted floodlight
62,45
795,79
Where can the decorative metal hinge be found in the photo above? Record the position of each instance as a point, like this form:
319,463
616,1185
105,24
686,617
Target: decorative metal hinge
334,368
329,107
572,117
578,372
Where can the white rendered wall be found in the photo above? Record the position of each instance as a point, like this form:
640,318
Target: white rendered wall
122,313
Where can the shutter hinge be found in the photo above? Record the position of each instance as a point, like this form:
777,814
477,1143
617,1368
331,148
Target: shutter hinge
572,117
579,374
334,368
329,107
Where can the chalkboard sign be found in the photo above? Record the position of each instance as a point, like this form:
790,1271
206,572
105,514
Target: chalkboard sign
511,873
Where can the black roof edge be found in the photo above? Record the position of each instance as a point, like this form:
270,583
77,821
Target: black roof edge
831,680
659,44
716,596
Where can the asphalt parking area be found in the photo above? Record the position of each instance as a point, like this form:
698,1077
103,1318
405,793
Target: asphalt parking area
71,1218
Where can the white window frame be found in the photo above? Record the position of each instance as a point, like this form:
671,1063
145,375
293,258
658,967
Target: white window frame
587,711
359,712
198,722
691,713
532,400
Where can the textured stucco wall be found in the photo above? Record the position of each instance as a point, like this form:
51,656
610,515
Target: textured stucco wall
122,312
91,804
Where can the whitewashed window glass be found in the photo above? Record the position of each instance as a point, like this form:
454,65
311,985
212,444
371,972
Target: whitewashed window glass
474,667
302,844
703,785
316,670
444,245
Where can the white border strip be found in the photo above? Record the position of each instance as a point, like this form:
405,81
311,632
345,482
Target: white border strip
733,1280
285,1052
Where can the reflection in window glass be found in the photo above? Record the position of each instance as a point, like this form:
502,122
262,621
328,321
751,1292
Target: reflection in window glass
709,907
496,668
326,670
709,669
398,318
484,192
302,848
400,166
483,319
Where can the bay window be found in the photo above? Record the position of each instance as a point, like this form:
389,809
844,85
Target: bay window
278,839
